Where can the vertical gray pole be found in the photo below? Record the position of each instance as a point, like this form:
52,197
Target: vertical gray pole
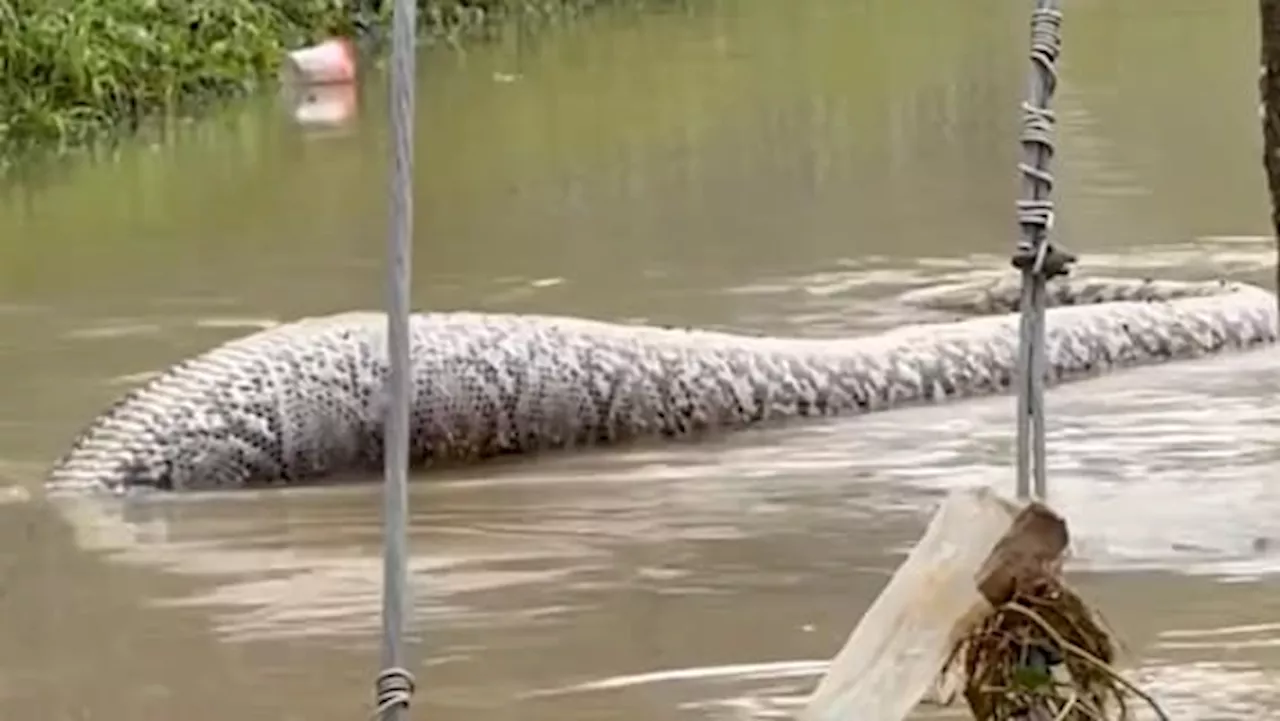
1036,257
1269,87
395,683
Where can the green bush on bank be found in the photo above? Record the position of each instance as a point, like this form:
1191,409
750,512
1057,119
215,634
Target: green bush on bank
74,70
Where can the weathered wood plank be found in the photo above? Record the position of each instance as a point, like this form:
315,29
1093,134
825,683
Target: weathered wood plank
896,653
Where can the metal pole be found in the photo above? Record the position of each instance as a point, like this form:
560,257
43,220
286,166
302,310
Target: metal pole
1036,257
1269,96
395,683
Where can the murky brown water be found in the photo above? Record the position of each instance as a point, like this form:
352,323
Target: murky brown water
782,167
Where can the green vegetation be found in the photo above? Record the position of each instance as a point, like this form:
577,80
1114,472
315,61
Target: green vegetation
74,71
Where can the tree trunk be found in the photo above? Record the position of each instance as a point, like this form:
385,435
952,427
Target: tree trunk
1269,15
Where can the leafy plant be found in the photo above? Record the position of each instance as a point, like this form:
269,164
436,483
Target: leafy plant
76,71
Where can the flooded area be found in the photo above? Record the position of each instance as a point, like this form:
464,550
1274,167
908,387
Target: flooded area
783,168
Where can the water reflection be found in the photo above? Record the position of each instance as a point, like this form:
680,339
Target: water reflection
326,107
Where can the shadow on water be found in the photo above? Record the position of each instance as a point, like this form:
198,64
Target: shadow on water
768,167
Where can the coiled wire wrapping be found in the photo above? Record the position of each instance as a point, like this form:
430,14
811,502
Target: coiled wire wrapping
1035,256
394,690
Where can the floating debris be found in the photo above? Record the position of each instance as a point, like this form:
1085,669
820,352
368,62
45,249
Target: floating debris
979,610
332,62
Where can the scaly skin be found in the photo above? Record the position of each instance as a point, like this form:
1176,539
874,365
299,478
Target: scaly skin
301,401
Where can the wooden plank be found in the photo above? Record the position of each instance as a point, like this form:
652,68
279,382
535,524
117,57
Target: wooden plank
896,654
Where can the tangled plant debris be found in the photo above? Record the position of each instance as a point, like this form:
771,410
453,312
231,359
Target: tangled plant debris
1044,656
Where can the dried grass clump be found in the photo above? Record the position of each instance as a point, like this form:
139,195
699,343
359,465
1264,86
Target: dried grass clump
1044,656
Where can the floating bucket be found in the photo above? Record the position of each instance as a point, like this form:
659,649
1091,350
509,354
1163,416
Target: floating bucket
332,62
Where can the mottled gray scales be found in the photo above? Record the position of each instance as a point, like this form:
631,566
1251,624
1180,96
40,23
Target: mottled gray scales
304,400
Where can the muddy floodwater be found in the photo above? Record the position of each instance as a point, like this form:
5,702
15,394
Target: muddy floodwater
776,167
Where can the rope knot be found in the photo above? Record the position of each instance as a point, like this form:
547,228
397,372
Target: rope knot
1045,260
394,687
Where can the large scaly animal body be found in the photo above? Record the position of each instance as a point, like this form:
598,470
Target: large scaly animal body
301,401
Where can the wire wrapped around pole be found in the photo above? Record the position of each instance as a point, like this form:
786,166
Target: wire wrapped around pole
1036,257
395,684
